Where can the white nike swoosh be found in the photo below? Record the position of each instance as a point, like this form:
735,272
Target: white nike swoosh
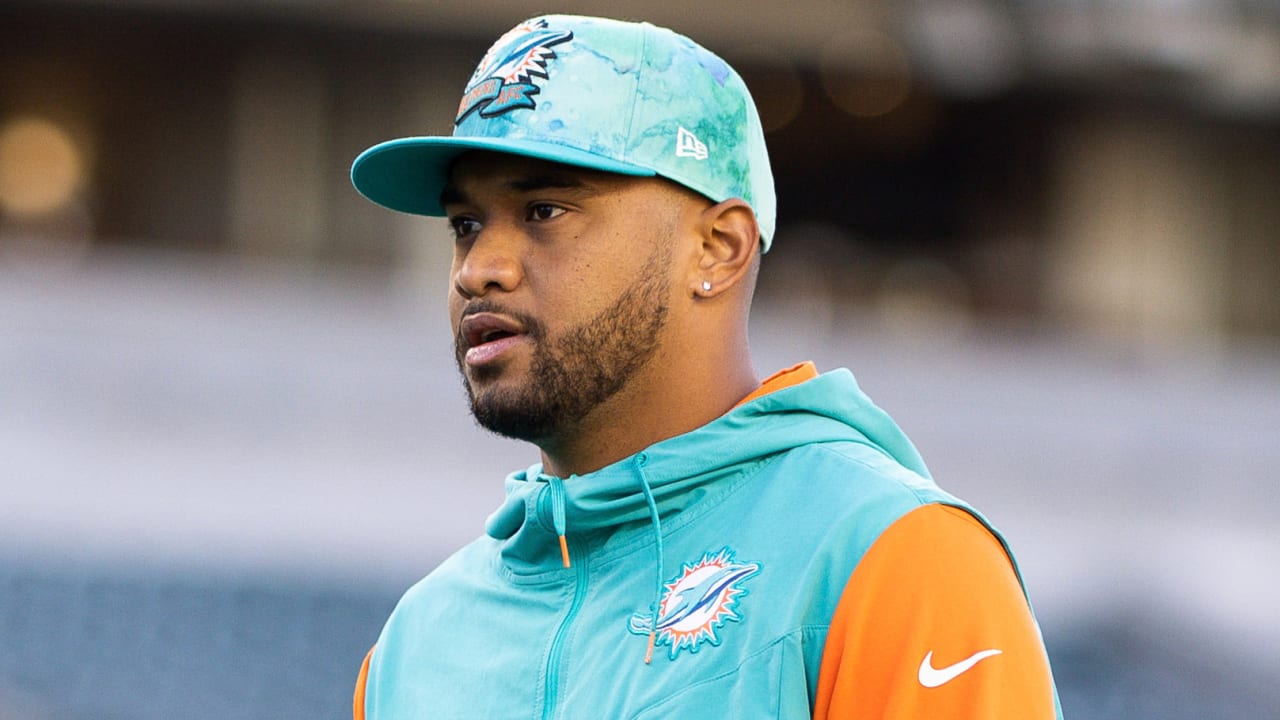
932,677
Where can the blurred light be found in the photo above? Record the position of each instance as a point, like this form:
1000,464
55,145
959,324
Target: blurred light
1062,38
865,73
1246,76
968,46
774,83
1171,34
40,168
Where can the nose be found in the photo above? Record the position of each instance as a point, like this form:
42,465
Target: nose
491,261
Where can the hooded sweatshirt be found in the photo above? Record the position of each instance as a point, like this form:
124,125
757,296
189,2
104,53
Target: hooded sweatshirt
790,559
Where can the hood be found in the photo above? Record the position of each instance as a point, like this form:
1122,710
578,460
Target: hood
671,475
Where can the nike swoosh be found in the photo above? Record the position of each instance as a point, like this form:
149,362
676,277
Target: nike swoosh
932,677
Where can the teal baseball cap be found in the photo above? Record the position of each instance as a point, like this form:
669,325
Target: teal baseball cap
622,97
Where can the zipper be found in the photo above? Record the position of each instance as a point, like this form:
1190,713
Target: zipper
552,688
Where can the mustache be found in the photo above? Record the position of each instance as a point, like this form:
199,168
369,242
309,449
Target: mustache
474,307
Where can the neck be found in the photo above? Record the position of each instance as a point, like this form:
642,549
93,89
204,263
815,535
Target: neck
655,407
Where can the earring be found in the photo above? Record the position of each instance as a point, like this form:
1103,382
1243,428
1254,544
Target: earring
706,286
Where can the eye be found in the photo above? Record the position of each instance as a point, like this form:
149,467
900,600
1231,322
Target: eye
543,211
463,226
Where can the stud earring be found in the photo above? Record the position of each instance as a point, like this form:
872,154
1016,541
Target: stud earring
706,286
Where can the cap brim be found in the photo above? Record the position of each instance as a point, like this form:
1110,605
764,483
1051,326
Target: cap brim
408,174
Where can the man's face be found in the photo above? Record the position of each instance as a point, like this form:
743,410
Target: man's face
561,286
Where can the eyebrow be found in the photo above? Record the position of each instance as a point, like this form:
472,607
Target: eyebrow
452,194
544,182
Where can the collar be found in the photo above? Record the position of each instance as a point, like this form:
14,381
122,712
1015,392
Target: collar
789,377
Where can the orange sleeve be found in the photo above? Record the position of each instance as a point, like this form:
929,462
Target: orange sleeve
357,702
933,623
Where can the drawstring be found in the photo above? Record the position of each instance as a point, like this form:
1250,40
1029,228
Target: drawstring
558,495
557,515
656,606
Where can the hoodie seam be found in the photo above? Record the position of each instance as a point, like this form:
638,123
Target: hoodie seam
764,650
686,517
914,492
549,577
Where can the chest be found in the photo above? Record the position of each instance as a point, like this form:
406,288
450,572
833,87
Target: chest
730,624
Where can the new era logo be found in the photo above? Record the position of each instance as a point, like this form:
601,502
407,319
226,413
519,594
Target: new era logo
688,145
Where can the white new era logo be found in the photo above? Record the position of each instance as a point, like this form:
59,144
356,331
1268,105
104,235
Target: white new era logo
688,145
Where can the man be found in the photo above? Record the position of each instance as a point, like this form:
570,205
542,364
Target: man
693,543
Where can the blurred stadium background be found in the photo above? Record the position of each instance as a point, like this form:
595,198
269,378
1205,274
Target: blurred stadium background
1043,233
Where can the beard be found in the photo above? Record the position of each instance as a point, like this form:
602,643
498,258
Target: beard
575,372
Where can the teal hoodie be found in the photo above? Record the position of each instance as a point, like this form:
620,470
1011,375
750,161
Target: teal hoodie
727,548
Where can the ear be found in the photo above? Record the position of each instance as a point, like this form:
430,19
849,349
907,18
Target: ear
730,241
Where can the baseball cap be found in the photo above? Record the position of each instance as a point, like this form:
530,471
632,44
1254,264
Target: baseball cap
622,97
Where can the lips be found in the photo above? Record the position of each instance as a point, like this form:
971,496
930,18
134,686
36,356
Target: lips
486,336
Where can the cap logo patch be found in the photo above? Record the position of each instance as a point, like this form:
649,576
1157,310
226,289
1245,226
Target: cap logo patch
504,80
688,145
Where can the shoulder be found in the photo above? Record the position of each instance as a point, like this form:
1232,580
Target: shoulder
471,566
837,499
852,480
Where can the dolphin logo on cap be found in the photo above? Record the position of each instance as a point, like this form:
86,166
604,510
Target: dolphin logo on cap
504,80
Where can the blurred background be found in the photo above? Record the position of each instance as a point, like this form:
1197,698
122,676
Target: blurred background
1043,234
